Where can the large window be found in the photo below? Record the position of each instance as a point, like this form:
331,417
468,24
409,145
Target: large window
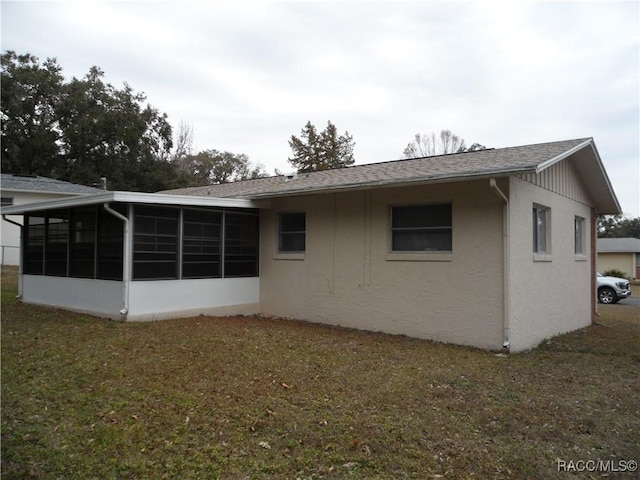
241,244
201,245
421,228
291,232
578,226
155,243
541,229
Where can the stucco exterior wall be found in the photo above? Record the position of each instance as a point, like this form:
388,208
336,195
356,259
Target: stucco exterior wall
9,233
624,262
549,294
348,276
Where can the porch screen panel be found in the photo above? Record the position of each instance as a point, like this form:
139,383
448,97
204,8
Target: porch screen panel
155,243
33,246
57,243
241,243
82,245
201,244
110,251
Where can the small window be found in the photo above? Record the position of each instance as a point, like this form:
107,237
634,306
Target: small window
579,223
6,201
541,229
292,232
82,245
421,228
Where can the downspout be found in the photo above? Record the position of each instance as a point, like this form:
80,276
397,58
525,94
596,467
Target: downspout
20,279
126,271
505,262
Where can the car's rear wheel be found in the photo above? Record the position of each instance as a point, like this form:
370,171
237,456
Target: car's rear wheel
607,295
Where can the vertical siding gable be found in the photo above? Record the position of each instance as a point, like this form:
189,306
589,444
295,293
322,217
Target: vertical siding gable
561,178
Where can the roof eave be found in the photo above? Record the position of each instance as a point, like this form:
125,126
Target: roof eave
134,197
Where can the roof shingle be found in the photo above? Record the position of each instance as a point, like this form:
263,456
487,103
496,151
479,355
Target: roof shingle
501,161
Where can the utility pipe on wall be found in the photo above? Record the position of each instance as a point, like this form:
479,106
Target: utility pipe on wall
126,259
505,261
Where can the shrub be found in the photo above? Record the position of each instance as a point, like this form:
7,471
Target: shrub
614,272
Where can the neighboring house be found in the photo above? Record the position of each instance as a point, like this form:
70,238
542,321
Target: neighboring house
620,253
22,189
492,248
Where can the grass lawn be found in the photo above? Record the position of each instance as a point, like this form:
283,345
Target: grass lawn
243,397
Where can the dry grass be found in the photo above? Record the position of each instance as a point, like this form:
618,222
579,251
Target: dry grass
245,397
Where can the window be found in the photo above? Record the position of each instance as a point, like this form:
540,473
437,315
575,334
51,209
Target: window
33,249
6,201
155,243
421,228
579,223
241,234
291,232
541,229
57,240
201,244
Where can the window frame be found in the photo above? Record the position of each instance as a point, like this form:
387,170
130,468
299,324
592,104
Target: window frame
285,217
426,233
579,236
541,232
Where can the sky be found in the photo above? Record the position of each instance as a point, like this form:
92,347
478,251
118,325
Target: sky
247,75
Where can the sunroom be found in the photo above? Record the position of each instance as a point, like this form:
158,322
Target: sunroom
136,256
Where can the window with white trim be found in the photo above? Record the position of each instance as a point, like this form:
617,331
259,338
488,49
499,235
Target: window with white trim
422,228
541,229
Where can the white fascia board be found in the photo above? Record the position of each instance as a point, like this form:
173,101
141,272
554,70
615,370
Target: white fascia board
135,197
552,161
44,192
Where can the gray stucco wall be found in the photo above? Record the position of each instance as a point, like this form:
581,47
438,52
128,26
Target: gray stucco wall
349,277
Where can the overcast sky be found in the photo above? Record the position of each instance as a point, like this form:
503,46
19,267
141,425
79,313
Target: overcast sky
248,75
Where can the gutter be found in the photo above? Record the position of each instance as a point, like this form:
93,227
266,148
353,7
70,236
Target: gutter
505,261
126,271
20,279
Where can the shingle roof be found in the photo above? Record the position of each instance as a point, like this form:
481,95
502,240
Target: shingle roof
32,183
481,163
618,245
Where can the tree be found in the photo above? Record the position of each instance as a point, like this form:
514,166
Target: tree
424,145
323,151
212,167
83,129
618,226
30,96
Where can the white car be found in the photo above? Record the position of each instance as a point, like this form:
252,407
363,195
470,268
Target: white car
612,289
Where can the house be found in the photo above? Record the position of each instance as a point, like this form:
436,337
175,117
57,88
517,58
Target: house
619,253
492,248
20,189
